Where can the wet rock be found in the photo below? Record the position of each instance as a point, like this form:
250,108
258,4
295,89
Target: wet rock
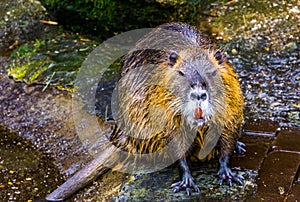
50,62
155,186
20,22
290,47
45,118
267,39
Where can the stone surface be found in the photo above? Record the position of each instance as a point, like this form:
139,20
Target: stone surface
277,175
294,195
256,150
288,140
262,128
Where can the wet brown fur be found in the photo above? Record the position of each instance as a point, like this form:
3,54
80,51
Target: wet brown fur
138,107
150,109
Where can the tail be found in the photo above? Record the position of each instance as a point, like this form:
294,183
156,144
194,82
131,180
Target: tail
91,171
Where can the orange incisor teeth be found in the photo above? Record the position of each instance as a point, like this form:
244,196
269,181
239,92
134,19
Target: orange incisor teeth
198,113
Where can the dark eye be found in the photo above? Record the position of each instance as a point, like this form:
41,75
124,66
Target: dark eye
180,73
219,56
204,84
173,58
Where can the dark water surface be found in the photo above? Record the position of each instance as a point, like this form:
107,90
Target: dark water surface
26,174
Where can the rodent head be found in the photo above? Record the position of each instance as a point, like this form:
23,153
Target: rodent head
201,83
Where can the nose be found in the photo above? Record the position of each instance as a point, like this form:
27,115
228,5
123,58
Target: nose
199,96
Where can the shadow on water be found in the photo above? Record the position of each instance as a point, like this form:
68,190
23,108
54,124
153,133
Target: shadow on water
26,174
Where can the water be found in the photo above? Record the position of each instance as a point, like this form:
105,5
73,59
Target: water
25,172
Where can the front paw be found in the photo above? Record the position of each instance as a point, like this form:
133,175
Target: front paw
187,183
226,174
240,148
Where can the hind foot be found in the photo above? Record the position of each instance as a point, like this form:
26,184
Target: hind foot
187,183
226,174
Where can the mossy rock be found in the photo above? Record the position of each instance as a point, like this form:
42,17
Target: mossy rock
54,62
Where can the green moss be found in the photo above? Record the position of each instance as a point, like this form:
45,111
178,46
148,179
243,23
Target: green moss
27,50
29,71
54,62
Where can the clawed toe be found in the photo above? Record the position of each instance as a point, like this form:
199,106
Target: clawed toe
226,174
185,184
240,148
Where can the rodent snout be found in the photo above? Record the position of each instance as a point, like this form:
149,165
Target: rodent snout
200,96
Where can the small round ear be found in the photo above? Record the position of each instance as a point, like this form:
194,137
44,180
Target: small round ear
173,58
220,56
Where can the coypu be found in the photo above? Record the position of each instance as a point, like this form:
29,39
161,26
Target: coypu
176,89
